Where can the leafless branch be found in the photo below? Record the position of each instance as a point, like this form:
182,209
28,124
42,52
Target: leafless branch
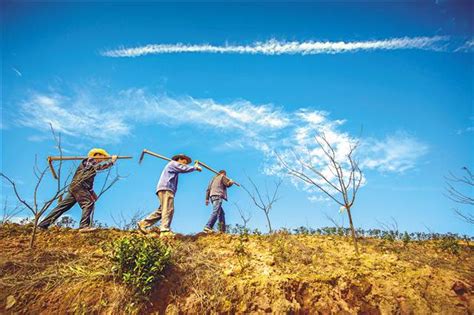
127,223
34,206
469,218
455,187
245,216
263,203
9,212
109,182
15,190
345,185
333,221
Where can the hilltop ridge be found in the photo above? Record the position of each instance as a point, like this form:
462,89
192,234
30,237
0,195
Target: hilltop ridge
71,272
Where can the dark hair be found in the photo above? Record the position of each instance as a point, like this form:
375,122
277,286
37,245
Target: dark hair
222,172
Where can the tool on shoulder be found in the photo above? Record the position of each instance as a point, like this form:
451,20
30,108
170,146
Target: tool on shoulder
174,158
145,151
51,159
214,171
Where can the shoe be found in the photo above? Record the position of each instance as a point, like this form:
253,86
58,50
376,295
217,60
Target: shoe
142,227
87,229
208,230
167,234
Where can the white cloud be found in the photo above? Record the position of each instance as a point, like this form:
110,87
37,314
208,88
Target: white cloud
276,47
238,115
76,117
17,72
395,153
263,127
38,138
301,148
468,46
467,129
318,198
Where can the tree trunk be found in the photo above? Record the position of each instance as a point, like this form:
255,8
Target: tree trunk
33,234
354,236
268,221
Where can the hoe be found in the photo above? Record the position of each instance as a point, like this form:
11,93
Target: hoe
145,151
74,158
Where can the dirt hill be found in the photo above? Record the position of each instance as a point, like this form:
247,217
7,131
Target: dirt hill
71,272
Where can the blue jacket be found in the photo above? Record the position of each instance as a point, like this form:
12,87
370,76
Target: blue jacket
169,176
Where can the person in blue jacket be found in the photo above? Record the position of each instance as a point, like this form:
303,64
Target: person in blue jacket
166,190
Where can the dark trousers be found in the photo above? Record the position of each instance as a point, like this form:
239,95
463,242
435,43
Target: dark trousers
81,196
217,213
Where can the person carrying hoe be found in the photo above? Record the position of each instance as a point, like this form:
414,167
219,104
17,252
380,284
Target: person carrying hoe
166,190
81,190
217,193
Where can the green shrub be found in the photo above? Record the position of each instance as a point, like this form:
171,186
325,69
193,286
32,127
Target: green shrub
406,239
241,251
139,262
449,244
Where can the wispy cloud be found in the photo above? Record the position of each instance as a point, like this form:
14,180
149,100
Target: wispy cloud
395,153
468,46
300,146
18,73
237,115
467,129
277,47
319,198
77,117
264,127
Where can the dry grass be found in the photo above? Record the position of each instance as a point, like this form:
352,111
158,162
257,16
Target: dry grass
69,272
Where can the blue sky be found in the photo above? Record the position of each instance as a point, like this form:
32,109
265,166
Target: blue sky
229,84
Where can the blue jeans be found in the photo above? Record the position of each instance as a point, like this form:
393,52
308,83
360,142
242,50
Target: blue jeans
217,213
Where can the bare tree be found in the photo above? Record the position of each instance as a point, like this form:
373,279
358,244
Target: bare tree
391,226
334,222
110,181
244,215
107,184
454,186
265,201
337,178
37,207
127,222
9,212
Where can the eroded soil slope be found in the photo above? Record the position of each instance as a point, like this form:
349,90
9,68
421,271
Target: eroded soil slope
70,272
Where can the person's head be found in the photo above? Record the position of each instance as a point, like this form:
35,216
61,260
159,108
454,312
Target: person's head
182,158
183,161
97,153
222,172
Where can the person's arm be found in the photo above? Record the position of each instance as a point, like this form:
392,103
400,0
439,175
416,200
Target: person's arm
208,192
227,182
105,165
176,167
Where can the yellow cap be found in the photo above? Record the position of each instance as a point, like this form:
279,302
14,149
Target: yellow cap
95,151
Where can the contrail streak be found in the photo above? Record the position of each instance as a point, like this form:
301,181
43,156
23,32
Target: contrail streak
276,47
